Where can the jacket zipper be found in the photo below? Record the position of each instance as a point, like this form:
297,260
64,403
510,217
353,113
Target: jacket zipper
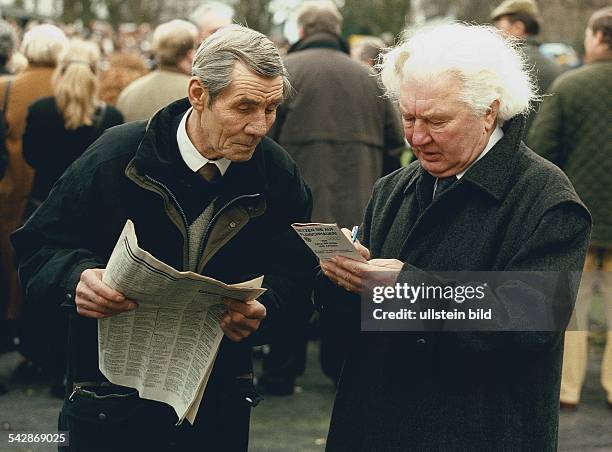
185,231
92,394
212,221
184,217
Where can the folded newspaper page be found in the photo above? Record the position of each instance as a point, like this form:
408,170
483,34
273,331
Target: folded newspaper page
167,346
326,240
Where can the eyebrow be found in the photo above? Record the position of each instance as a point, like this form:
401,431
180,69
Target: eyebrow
246,100
251,101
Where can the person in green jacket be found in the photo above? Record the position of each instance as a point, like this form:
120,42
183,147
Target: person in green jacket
574,130
521,19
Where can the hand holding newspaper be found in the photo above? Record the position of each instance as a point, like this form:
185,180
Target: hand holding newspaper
326,240
167,346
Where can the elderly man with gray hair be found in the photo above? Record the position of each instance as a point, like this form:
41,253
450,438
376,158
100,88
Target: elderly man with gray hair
174,44
476,199
207,192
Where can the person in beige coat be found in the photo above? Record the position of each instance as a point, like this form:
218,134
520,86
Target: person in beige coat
41,46
173,45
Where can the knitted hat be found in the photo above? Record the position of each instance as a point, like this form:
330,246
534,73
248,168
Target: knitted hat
527,7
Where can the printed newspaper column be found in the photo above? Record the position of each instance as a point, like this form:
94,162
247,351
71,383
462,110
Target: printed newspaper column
167,346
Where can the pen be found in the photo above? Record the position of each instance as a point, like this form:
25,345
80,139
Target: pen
354,233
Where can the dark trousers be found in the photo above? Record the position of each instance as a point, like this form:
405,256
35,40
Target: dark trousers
121,421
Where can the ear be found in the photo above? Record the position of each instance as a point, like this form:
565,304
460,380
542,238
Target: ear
518,29
197,94
599,37
491,116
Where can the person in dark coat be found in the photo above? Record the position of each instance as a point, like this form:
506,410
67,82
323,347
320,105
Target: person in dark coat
476,199
230,220
337,126
342,133
71,120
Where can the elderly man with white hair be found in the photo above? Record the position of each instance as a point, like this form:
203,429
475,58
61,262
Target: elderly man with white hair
476,199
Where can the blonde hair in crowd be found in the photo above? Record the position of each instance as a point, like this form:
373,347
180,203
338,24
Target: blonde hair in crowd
76,85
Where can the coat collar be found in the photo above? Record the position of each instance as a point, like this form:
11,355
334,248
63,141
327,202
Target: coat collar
158,155
489,173
321,40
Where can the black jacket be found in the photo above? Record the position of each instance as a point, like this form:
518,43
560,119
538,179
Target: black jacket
135,171
511,211
50,148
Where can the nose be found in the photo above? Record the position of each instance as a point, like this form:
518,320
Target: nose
257,127
419,134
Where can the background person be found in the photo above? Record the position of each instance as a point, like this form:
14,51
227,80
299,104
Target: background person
338,128
521,19
41,46
173,46
210,17
58,130
8,43
574,131
476,199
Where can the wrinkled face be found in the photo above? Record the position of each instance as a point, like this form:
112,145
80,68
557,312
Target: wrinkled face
444,133
238,118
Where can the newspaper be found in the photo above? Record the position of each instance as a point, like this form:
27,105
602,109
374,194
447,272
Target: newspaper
167,346
326,240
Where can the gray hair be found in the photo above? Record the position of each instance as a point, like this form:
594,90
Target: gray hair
173,40
490,66
215,59
8,42
317,16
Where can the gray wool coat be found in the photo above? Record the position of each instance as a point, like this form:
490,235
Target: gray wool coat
404,391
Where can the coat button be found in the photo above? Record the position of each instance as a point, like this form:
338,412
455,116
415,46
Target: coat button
69,296
232,224
421,341
102,416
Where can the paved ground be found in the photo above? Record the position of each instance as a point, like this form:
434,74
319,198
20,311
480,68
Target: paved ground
299,422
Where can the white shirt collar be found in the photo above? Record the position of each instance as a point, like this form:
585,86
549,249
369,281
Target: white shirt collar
193,159
497,135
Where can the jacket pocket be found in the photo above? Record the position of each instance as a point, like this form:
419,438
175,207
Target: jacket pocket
101,418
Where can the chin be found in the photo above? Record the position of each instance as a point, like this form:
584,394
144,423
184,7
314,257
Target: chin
241,156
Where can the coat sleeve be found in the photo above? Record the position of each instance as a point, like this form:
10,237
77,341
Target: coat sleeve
54,246
290,268
552,256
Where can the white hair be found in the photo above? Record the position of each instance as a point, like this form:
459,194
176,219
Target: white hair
490,66
43,44
214,9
